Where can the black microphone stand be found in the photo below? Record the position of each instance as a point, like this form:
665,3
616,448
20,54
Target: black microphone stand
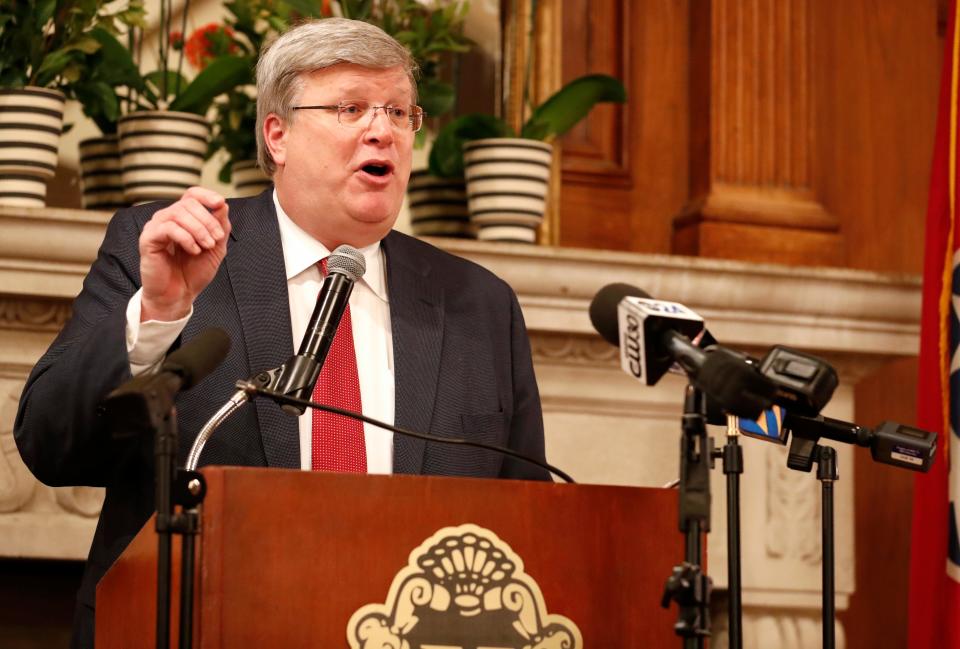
804,451
174,488
732,455
827,474
688,585
146,407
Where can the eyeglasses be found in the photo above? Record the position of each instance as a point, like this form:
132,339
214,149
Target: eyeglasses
351,113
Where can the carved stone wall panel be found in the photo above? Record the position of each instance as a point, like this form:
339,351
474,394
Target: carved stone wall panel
35,520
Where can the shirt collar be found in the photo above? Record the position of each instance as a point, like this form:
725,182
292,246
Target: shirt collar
301,251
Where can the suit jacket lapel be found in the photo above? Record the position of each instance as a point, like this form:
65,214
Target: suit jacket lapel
416,315
258,279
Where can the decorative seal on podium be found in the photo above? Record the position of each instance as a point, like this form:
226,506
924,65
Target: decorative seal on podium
463,588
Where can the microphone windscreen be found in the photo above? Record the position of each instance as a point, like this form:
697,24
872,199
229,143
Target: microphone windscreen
603,309
348,261
742,390
198,357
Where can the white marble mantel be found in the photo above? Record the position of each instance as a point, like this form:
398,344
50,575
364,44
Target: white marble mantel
602,427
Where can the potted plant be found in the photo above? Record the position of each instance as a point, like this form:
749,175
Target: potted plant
247,28
163,139
507,175
109,68
430,32
433,32
46,48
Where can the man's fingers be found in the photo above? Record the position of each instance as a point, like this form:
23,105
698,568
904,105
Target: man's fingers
198,220
206,197
158,236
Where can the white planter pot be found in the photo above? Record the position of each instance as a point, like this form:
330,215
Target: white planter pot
507,185
248,179
31,120
161,153
100,174
438,206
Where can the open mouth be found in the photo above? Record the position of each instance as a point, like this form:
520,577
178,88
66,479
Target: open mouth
376,169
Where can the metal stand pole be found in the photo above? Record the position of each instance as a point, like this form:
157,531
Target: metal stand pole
827,474
165,449
733,467
688,585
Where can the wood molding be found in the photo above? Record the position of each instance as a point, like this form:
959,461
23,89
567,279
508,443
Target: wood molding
752,159
596,39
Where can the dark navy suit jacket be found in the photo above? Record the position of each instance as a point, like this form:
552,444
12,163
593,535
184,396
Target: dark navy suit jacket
461,360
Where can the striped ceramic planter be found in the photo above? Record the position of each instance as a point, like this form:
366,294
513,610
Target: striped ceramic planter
438,206
161,153
248,179
31,120
100,173
507,185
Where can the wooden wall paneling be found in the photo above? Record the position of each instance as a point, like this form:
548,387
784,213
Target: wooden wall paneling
624,168
883,502
752,191
877,76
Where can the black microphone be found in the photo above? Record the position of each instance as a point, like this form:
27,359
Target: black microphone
890,443
298,376
199,356
145,398
653,335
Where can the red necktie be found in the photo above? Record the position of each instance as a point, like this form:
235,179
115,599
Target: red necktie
338,443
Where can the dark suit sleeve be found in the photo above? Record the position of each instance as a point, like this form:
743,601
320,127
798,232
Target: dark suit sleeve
58,431
526,424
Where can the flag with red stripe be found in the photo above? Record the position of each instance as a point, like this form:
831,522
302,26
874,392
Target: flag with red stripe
935,547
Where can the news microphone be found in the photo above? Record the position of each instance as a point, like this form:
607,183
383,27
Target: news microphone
889,443
298,376
654,334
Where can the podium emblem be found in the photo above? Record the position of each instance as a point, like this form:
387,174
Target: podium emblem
463,588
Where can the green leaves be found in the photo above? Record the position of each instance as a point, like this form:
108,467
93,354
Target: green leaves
446,156
436,97
223,74
564,109
51,43
561,112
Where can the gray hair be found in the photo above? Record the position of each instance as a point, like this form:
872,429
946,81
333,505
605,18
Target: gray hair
314,45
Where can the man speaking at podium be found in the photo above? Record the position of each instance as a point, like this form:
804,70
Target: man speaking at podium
429,342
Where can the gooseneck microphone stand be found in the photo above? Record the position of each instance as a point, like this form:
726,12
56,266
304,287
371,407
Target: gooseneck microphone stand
688,585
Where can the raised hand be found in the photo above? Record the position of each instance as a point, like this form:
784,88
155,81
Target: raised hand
181,248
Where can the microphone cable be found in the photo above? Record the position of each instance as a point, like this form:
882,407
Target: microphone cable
251,388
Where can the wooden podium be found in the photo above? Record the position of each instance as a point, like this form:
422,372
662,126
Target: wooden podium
299,559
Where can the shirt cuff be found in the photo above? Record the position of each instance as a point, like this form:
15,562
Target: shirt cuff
148,342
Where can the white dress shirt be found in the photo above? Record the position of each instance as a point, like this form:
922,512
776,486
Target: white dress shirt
370,314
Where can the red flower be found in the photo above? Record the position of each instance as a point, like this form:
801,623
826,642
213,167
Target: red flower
325,8
176,40
207,43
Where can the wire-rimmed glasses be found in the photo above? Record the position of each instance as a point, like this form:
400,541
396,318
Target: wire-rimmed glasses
352,113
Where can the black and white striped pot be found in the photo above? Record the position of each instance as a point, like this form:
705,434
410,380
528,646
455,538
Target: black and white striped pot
162,153
507,185
438,206
31,120
100,173
248,178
